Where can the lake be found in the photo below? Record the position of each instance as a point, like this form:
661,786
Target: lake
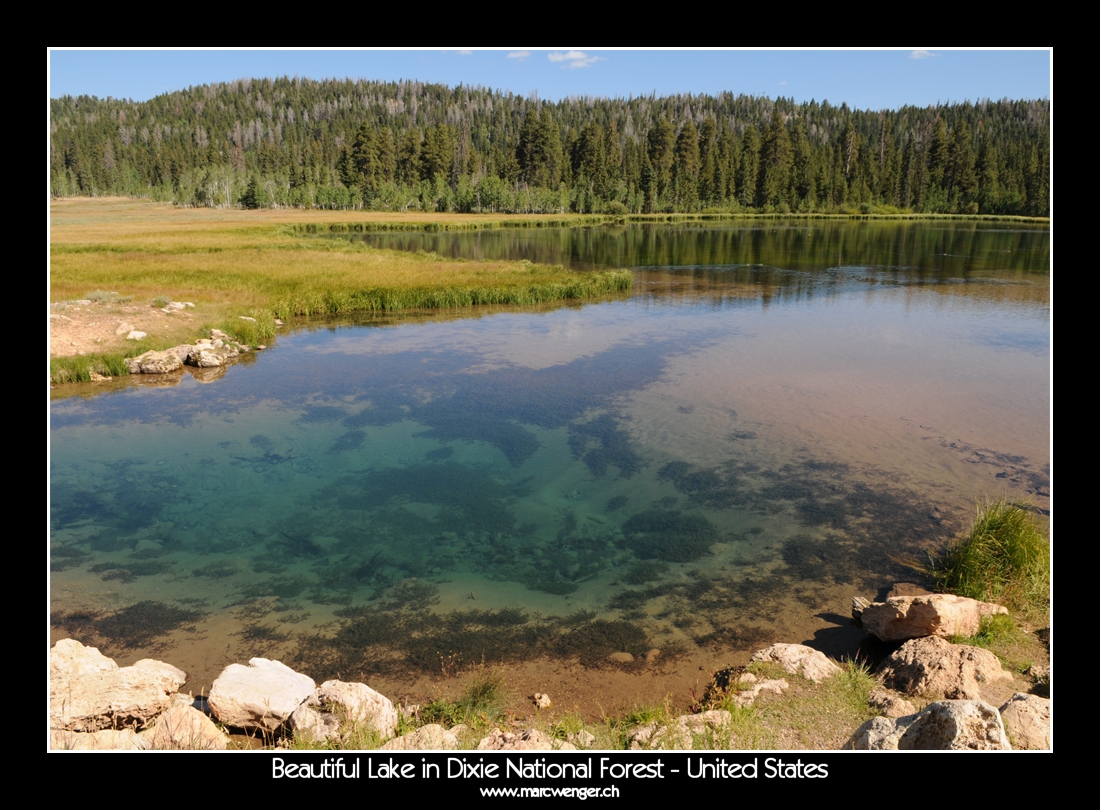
779,416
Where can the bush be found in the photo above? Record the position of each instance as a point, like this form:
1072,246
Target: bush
1003,558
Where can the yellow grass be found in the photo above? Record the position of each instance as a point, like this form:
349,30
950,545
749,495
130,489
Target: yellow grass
231,262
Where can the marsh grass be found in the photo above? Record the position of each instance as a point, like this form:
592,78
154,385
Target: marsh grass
264,264
1004,558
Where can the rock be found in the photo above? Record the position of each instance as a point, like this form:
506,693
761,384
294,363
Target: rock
681,734
89,691
123,328
183,728
907,589
890,704
176,305
542,700
798,659
207,357
108,740
336,703
746,697
652,655
135,334
530,740
261,695
859,604
947,725
1027,720
934,666
904,617
582,739
154,362
246,318
621,658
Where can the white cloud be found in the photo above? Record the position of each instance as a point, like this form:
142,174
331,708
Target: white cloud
922,55
464,53
782,82
519,55
575,59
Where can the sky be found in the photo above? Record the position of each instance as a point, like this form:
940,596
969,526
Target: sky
864,79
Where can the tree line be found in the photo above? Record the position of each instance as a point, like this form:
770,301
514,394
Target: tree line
409,145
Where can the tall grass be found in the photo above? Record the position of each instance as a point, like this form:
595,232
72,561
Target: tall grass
1004,558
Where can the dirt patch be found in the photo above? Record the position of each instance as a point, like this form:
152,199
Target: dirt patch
78,328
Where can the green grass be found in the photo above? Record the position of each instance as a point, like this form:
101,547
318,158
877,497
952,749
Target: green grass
1004,558
479,705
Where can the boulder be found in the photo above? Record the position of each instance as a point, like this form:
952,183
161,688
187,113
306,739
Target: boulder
890,704
798,659
947,725
1027,720
89,691
335,704
900,618
154,362
261,695
934,666
107,740
208,355
183,728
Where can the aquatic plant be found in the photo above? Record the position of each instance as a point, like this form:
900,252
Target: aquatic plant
669,535
141,623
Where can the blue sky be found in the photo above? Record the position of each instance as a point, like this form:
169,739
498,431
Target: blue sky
866,79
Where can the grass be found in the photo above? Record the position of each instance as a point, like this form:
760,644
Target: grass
1004,558
265,265
480,704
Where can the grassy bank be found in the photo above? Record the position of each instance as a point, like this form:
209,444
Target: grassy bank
265,265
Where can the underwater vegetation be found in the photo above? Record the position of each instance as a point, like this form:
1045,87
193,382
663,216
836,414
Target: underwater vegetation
669,535
402,637
613,446
133,626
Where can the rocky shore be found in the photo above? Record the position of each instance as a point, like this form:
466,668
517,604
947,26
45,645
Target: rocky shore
97,705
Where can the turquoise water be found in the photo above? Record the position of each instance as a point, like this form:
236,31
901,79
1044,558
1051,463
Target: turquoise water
735,447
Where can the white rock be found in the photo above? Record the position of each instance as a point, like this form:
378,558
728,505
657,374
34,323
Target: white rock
798,659
135,334
183,728
904,617
946,725
261,695
1028,719
108,740
334,704
89,691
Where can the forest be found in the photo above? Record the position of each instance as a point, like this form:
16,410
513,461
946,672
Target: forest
401,146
